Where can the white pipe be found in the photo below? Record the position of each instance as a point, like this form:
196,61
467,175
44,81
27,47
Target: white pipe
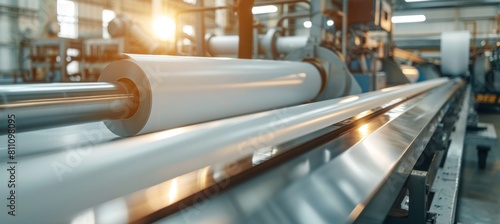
223,45
228,45
56,186
179,91
285,45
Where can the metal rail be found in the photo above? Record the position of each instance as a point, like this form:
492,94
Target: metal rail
48,105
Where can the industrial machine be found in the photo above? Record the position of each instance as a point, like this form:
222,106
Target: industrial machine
285,137
364,157
486,79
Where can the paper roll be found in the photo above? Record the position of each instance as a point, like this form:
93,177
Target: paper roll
455,53
178,91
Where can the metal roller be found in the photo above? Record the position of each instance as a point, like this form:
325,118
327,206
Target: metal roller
47,105
146,93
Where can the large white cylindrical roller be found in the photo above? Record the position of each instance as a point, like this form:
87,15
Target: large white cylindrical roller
177,91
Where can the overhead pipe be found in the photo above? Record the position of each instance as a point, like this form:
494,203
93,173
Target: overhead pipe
228,45
246,3
284,17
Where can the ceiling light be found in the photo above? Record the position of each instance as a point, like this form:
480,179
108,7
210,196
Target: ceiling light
408,19
264,9
330,22
307,24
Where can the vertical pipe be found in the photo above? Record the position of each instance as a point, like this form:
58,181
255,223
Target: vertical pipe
200,30
374,72
255,49
245,28
316,30
344,28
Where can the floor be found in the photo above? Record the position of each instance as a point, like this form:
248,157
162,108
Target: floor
479,200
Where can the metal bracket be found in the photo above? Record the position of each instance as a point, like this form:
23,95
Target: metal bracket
415,201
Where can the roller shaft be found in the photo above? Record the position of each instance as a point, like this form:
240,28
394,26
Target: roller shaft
46,105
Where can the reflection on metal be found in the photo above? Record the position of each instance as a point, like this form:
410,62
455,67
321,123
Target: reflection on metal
349,99
363,130
263,154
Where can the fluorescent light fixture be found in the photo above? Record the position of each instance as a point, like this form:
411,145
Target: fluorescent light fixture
330,22
264,9
307,24
416,0
408,19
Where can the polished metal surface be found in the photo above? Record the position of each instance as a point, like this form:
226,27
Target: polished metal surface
336,182
117,168
446,183
48,105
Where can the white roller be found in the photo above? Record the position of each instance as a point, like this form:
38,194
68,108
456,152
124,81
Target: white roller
455,52
177,91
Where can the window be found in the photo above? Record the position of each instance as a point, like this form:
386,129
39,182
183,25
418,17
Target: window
192,2
107,16
66,16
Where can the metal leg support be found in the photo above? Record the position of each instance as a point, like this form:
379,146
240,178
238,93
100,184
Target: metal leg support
415,201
